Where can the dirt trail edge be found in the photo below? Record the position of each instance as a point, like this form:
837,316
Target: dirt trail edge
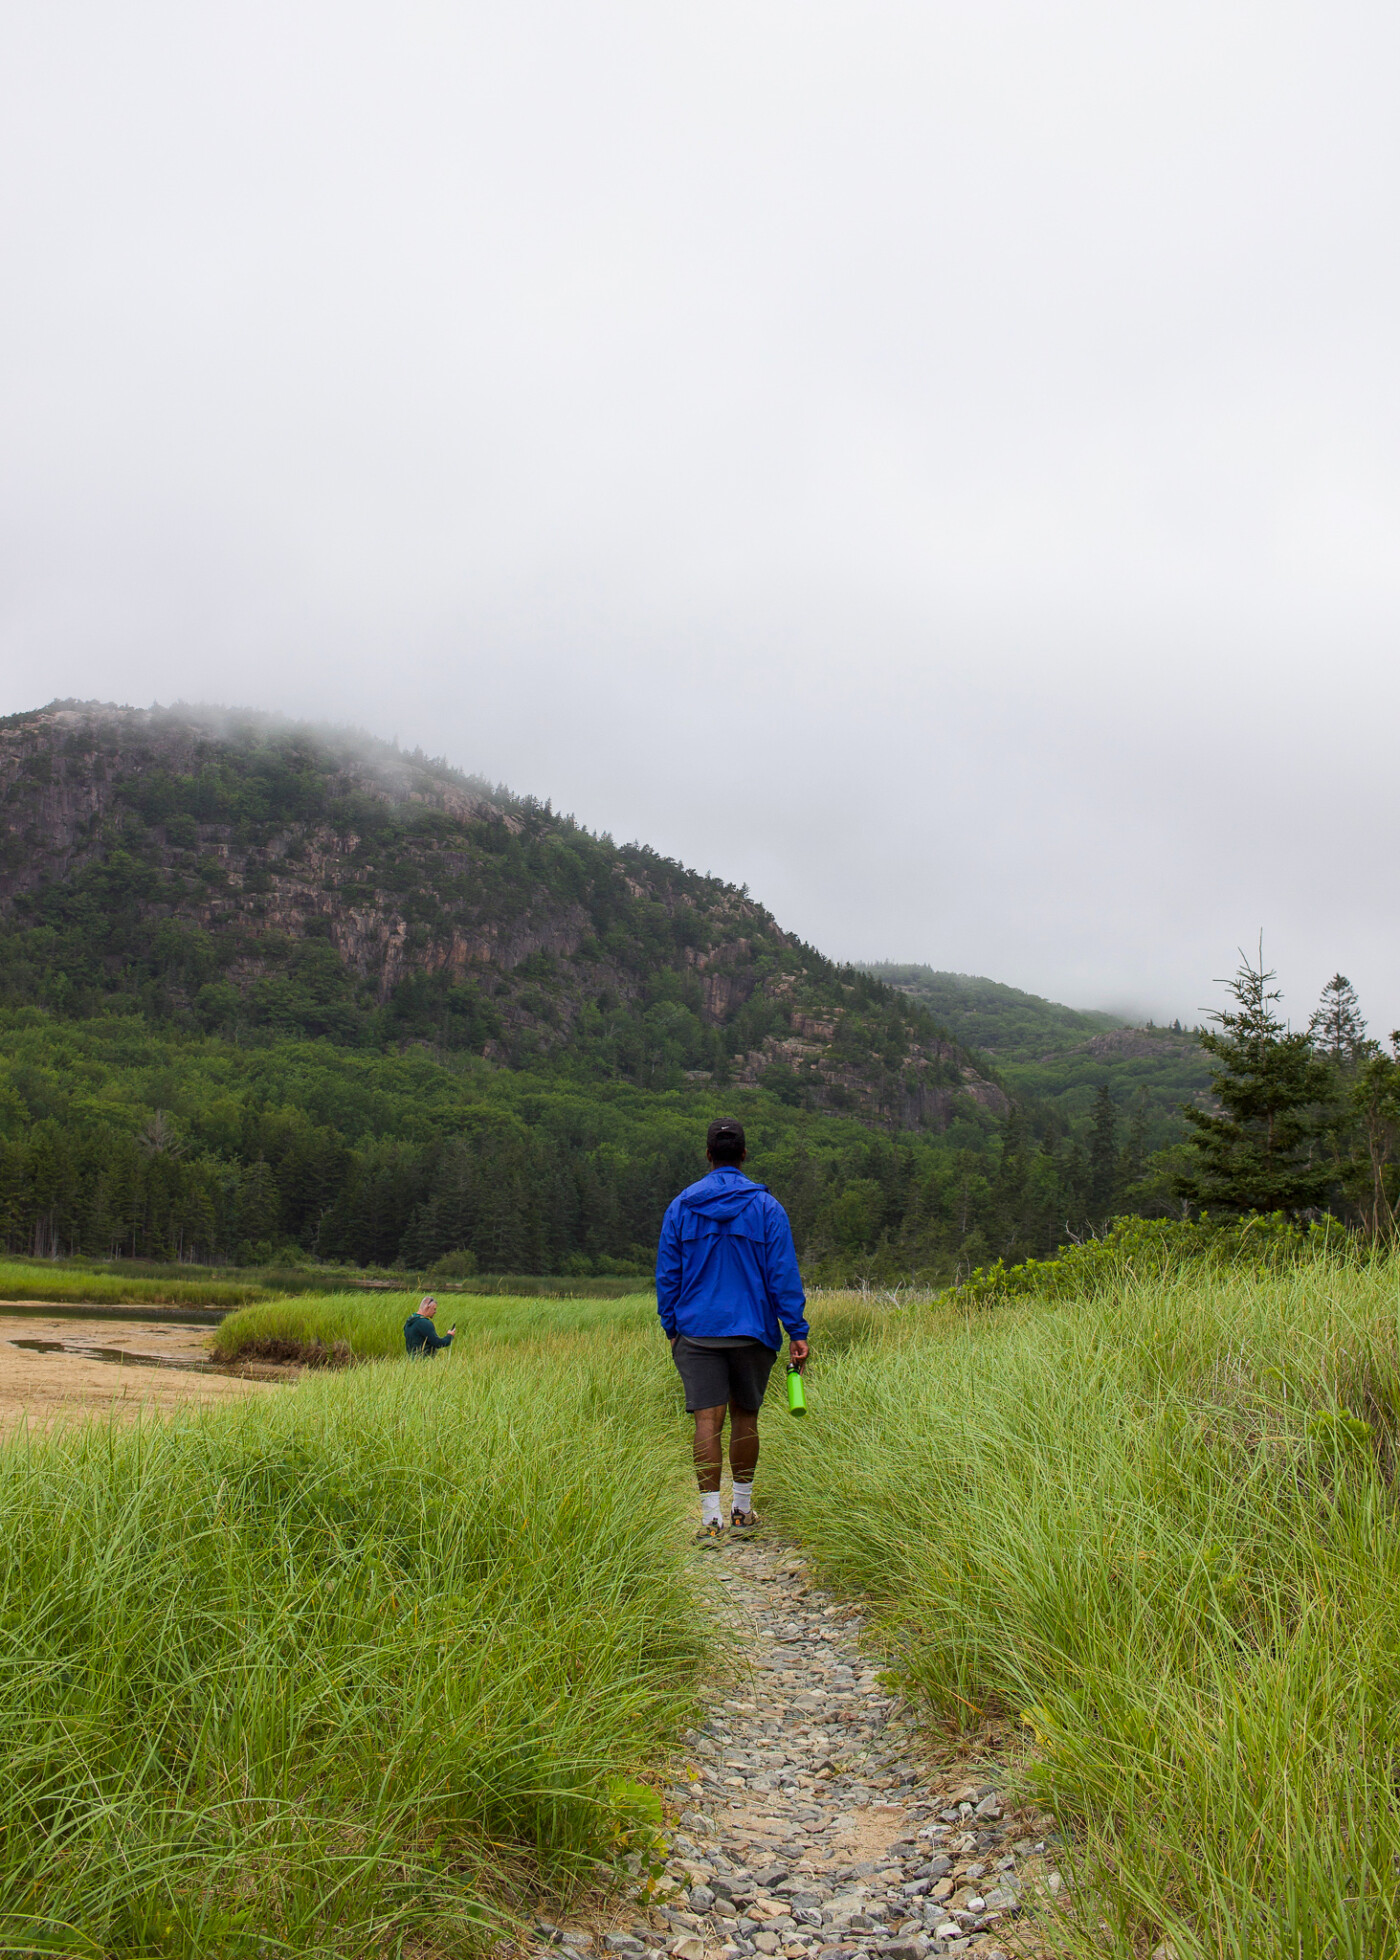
811,1819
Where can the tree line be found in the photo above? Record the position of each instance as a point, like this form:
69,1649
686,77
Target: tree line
1303,1122
120,1138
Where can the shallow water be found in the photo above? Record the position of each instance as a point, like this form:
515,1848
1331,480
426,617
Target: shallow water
135,1314
188,1363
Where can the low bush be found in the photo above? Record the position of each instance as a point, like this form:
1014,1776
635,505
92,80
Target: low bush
1143,1248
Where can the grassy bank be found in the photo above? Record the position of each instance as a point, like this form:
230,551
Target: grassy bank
370,1325
1160,1524
30,1280
345,1669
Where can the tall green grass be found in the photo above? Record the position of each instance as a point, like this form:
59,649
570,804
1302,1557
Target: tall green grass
370,1325
1160,1524
346,1670
21,1280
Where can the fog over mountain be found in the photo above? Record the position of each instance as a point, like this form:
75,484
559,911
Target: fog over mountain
937,465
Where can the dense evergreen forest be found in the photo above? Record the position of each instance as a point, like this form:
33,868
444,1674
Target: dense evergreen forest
270,994
1055,1059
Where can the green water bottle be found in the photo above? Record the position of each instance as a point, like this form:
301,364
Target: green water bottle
797,1395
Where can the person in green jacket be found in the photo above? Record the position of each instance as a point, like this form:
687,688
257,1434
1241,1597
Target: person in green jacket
418,1335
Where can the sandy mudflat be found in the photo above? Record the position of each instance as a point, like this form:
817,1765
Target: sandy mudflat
38,1389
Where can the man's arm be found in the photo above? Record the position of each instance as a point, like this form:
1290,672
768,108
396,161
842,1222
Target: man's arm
784,1280
668,1271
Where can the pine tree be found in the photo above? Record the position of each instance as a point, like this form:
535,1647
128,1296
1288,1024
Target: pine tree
1337,1029
1374,1097
1260,1150
1132,1165
1103,1156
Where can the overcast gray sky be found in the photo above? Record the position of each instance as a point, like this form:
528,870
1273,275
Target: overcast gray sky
938,463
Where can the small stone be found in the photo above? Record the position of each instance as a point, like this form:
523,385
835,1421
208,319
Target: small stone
688,1947
1054,1884
580,1942
948,1929
990,1807
765,1942
1002,1899
623,1943
701,1898
1165,1951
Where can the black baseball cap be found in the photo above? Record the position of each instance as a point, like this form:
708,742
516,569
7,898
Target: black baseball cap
724,1133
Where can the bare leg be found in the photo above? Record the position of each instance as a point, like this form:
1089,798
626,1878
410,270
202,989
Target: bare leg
709,1426
743,1444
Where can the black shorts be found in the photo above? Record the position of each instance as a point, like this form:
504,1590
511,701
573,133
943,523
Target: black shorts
714,1377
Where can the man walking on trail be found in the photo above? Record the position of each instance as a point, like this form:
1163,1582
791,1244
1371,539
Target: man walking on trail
726,1274
418,1335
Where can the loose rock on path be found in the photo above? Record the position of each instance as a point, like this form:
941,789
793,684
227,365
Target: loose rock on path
809,1822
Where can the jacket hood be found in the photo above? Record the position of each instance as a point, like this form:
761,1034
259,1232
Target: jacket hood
721,1196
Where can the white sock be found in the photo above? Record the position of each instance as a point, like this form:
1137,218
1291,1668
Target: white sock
743,1497
709,1507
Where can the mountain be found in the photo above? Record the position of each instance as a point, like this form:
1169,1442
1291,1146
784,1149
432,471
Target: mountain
985,1014
1056,1059
276,993
242,876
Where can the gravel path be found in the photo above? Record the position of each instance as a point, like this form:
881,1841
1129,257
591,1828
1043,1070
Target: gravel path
810,1821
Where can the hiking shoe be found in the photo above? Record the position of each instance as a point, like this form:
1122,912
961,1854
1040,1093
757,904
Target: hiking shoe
743,1521
710,1534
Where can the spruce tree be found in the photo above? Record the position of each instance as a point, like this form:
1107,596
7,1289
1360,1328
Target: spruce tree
1103,1156
1374,1099
1337,1029
1132,1164
1260,1149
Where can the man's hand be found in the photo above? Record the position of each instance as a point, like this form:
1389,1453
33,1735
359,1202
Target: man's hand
453,1328
797,1354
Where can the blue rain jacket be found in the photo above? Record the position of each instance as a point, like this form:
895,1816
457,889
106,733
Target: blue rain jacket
726,1264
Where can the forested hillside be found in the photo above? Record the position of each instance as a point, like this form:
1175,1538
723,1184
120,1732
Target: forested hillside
268,991
1058,1060
256,879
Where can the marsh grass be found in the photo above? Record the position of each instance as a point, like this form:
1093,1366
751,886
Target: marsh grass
370,1325
25,1280
1158,1525
360,1664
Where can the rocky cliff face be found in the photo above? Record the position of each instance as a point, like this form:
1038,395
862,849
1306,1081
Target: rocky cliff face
245,873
